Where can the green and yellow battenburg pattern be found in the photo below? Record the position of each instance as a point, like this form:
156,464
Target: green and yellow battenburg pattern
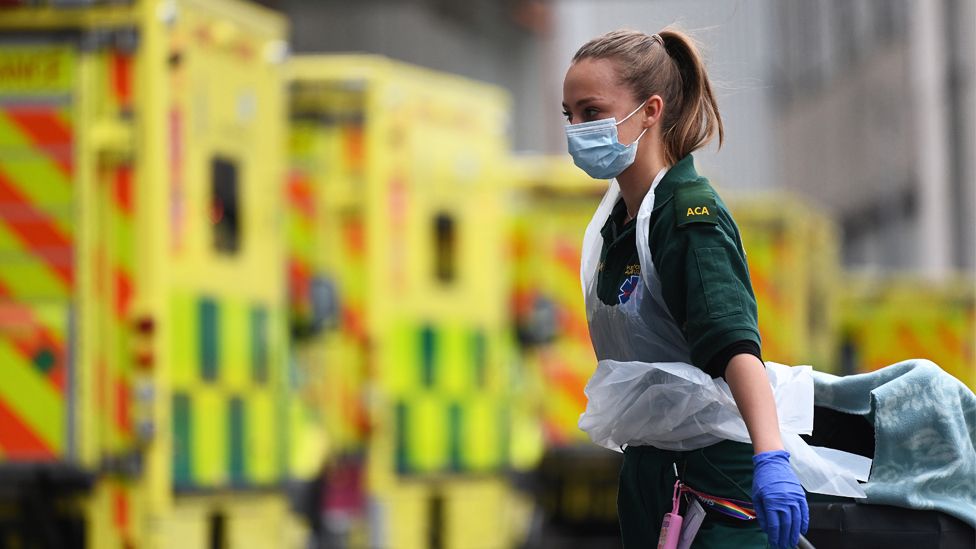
450,400
227,414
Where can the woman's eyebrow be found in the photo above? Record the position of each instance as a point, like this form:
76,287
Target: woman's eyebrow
582,101
586,100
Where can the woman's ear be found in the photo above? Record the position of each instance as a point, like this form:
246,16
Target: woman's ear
653,110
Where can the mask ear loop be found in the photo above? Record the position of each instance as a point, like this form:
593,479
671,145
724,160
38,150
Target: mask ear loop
638,137
639,107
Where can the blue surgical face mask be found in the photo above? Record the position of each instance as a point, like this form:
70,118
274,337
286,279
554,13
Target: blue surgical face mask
597,151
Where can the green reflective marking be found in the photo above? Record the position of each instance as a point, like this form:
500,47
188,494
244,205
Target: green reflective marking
259,345
44,360
182,447
209,344
454,434
504,435
235,441
402,460
428,355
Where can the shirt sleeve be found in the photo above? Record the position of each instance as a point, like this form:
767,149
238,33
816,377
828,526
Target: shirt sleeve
705,278
720,361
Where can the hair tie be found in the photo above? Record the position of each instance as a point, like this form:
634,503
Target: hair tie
657,38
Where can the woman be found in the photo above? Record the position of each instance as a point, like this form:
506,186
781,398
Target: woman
669,284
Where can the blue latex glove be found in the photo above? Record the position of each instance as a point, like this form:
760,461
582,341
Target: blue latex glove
781,506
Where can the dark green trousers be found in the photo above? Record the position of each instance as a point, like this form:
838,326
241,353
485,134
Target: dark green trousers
647,482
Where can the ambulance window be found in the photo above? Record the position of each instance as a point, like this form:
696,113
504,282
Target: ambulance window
445,256
225,206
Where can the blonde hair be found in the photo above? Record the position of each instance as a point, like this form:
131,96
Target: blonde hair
667,64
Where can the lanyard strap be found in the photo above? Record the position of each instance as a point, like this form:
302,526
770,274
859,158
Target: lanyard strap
734,508
676,498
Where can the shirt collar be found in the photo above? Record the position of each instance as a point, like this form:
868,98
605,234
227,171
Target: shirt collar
610,231
681,172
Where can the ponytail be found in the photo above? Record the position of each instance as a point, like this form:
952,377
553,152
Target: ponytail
696,119
667,64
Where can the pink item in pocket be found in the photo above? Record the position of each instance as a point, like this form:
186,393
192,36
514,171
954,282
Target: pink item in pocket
671,526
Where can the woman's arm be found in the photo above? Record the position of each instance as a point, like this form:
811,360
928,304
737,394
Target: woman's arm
746,376
777,496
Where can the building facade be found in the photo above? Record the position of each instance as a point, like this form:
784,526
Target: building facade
497,41
875,121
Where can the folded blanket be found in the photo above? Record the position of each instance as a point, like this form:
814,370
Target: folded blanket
925,434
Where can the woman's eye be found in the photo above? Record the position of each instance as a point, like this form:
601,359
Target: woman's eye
590,113
567,115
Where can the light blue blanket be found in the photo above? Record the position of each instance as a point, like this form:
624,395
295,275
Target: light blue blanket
925,434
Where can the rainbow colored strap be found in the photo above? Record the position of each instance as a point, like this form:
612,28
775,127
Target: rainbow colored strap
730,507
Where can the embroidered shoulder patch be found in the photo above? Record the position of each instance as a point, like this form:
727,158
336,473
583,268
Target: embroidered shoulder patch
695,203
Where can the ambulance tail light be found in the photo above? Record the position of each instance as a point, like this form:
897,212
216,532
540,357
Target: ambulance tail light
145,325
144,328
145,360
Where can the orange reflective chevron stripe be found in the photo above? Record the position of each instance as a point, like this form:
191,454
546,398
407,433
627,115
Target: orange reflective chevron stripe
300,196
572,386
574,325
522,301
120,508
300,279
32,398
36,231
354,238
766,289
352,322
46,130
122,197
353,408
37,341
123,292
122,190
17,439
909,341
13,317
122,403
119,267
553,431
354,145
949,339
116,406
568,257
122,79
566,380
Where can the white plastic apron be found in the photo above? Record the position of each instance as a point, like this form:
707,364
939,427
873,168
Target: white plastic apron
646,392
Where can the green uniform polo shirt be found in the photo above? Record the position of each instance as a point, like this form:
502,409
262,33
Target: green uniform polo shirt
696,248
620,269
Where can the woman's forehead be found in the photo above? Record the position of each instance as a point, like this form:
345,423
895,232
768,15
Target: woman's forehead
591,77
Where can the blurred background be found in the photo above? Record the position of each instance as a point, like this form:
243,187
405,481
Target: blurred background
864,107
304,273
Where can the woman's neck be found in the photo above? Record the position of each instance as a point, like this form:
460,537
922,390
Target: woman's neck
636,180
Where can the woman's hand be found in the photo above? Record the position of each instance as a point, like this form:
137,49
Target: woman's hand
779,500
